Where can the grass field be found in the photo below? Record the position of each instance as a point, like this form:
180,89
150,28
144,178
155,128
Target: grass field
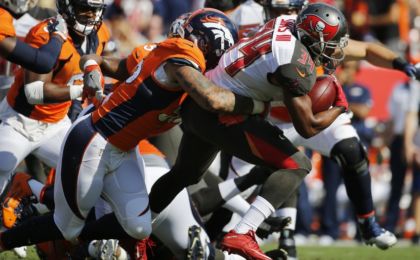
355,253
316,253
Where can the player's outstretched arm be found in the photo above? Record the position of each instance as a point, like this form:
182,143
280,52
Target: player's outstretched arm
40,60
379,55
210,96
111,67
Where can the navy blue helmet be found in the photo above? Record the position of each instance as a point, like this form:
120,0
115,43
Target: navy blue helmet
212,31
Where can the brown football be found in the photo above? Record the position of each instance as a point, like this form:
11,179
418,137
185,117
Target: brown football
323,93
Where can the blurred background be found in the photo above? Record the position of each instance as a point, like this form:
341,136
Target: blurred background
380,109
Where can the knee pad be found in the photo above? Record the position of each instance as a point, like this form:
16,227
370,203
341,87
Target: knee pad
351,156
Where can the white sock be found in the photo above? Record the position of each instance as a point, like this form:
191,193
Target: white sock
228,189
232,256
36,188
42,209
238,205
259,211
288,212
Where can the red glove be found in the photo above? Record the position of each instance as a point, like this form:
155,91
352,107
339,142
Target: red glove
340,98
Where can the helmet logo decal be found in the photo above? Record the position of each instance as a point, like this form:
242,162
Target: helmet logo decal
320,26
222,33
314,25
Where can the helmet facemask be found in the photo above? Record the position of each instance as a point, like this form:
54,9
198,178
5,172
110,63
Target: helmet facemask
83,16
328,54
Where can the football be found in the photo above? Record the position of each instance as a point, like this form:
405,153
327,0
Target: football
323,93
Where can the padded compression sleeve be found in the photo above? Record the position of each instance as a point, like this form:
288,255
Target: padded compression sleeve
40,60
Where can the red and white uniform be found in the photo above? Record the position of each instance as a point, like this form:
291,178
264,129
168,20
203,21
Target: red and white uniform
251,81
273,48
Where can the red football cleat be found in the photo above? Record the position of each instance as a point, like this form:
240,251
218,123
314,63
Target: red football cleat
244,245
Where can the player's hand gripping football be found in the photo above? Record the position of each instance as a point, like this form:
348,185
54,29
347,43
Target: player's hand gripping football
93,81
57,26
340,98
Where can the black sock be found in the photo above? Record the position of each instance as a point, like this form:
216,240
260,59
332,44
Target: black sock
207,200
32,231
48,197
257,175
107,227
359,191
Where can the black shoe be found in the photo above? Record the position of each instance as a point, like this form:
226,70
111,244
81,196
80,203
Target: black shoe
287,243
277,254
271,225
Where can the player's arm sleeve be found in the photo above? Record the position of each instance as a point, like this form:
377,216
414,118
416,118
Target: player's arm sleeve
298,80
40,60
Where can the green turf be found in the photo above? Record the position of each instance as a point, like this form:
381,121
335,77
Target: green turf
356,253
10,255
314,253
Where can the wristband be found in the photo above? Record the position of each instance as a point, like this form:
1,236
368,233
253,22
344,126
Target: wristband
89,62
258,107
75,91
399,64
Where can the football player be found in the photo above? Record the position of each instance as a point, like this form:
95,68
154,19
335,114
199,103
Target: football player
340,135
102,145
322,30
274,64
39,60
34,114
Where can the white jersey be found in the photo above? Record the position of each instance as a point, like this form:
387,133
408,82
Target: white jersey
245,68
248,17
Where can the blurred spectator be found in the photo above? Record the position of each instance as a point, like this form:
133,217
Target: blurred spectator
383,20
414,39
171,9
356,12
126,20
153,32
403,107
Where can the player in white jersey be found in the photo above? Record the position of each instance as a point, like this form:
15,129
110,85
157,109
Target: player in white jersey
248,16
259,61
340,142
273,64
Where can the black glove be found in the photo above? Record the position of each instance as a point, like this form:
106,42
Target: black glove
413,71
272,224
